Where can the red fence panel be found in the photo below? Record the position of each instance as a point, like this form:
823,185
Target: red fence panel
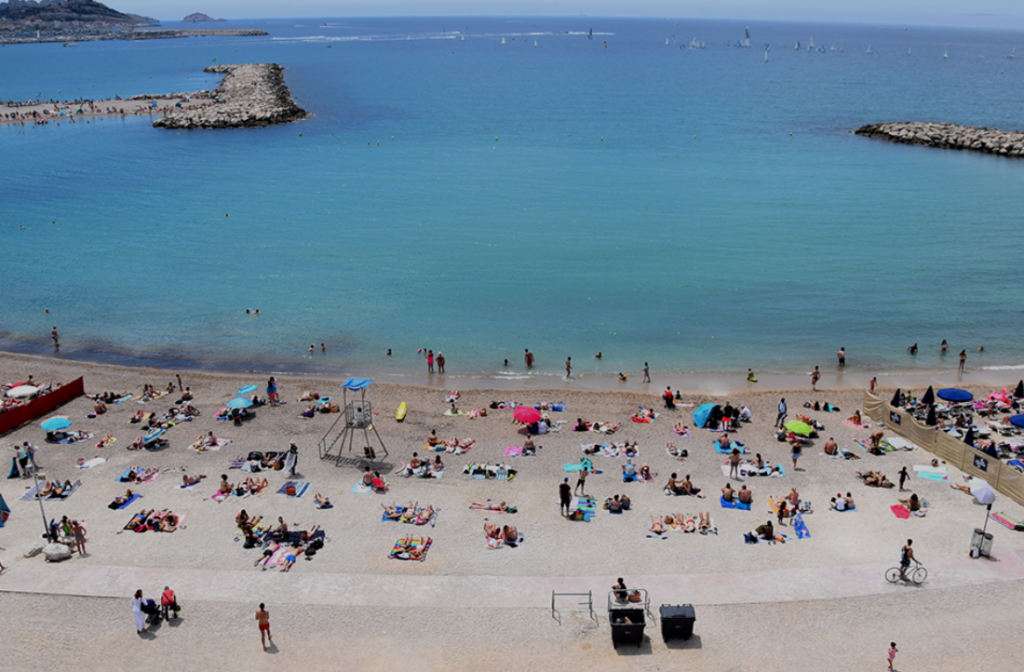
40,406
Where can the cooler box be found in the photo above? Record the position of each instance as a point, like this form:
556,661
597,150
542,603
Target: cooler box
677,621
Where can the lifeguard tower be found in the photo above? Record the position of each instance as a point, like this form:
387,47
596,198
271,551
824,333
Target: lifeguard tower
358,421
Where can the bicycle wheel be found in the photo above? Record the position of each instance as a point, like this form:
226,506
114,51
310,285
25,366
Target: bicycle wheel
919,575
892,575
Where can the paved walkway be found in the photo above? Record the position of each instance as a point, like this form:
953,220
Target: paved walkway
81,578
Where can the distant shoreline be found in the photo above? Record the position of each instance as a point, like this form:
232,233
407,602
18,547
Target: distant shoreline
134,35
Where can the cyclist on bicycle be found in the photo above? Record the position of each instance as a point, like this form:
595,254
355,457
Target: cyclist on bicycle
906,557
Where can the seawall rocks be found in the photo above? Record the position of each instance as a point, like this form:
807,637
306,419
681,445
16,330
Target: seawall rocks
948,136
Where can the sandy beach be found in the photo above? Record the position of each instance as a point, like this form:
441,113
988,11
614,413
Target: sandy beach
802,604
41,113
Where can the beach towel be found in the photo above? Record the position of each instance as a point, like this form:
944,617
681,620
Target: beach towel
1000,518
94,462
930,469
644,419
800,528
1017,464
734,504
513,451
384,515
843,510
929,476
559,407
900,511
398,554
883,445
5,511
182,486
121,400
578,467
683,434
361,489
30,494
300,488
853,424
732,446
85,437
557,425
220,497
129,502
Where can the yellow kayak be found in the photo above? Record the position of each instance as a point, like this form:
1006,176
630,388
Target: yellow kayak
402,410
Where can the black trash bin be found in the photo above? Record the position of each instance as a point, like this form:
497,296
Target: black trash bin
627,626
677,621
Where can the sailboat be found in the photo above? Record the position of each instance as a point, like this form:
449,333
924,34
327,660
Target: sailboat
810,45
746,38
945,54
833,48
503,40
767,48
590,35
666,41
871,51
694,44
1010,55
535,43
797,47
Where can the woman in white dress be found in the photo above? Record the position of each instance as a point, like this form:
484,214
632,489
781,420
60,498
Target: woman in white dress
140,618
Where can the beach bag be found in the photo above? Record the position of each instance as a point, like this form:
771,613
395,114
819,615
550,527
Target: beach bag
289,490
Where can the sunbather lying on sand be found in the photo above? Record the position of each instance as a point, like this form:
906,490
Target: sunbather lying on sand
118,501
322,502
410,549
875,479
292,555
681,430
106,441
139,519
656,525
253,486
392,512
187,480
490,506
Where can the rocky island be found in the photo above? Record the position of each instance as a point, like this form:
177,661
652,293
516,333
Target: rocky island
69,21
948,136
252,94
199,17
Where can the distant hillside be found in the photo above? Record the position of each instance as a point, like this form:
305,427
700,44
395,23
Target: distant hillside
199,17
68,11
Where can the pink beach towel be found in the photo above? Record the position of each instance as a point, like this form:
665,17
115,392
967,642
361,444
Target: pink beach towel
853,424
900,511
513,451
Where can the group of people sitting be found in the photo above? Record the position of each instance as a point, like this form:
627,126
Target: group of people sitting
617,503
596,426
689,524
681,487
631,473
452,445
138,474
841,503
764,532
205,441
421,467
250,486
744,495
507,534
411,514
372,479
110,397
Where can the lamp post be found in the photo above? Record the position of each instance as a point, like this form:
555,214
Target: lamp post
46,527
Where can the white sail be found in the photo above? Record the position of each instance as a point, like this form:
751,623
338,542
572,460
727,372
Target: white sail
1010,55
945,54
503,40
797,47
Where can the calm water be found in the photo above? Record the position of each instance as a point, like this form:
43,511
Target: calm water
699,209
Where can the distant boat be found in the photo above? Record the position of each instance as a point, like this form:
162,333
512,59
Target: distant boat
810,45
666,41
408,37
75,44
694,44
1010,55
908,51
871,51
767,48
535,43
503,40
945,54
746,39
590,35
832,48
462,39
797,47
821,49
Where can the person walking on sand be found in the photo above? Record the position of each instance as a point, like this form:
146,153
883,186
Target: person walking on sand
903,477
795,453
841,355
647,373
565,496
892,654
272,391
815,377
56,338
440,363
872,384
782,413
529,358
263,618
963,360
291,459
140,618
568,367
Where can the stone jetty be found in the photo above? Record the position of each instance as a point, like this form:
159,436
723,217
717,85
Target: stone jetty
252,94
948,136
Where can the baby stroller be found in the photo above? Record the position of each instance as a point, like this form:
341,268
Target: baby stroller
152,612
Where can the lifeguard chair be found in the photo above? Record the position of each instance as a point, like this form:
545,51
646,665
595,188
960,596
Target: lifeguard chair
358,420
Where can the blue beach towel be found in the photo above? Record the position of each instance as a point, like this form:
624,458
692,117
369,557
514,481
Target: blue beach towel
735,504
129,502
800,528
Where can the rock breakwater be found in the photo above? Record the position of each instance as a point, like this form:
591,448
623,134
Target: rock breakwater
948,136
252,94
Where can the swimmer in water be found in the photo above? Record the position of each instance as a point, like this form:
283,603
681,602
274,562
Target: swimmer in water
597,356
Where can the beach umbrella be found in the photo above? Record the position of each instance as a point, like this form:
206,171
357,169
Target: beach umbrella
526,414
954,394
248,389
22,391
702,413
56,423
895,398
152,434
929,397
982,491
1019,392
798,427
240,402
1017,421
969,437
932,420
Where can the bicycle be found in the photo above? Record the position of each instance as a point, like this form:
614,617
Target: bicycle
917,575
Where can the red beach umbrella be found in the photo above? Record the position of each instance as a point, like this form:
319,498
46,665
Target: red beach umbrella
526,414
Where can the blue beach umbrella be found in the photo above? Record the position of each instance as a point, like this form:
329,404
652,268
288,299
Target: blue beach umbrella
1017,421
240,402
56,423
702,413
954,394
152,434
248,389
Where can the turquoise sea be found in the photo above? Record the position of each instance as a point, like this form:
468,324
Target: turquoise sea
696,208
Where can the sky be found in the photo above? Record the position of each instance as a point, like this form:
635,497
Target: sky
965,13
